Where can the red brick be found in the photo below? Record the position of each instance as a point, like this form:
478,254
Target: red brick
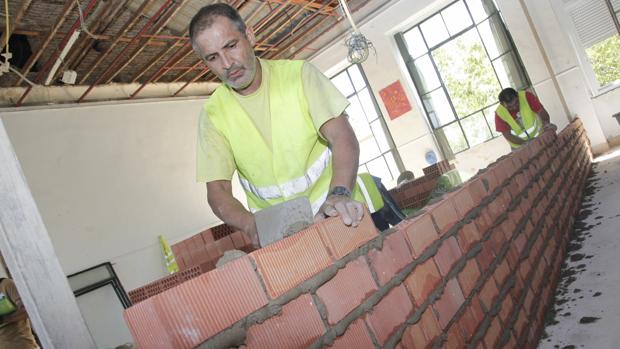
455,339
207,236
520,242
341,239
422,281
497,207
413,337
529,301
449,302
485,220
224,244
447,254
445,215
147,328
391,259
501,273
356,336
349,288
429,324
497,239
508,227
237,239
468,323
506,311
420,233
489,180
468,277
463,202
476,309
391,312
206,309
288,262
468,235
488,293
297,326
477,190
486,256
493,333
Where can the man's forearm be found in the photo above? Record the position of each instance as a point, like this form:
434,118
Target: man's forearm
227,208
544,116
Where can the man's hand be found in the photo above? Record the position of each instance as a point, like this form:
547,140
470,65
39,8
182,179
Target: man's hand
549,126
349,210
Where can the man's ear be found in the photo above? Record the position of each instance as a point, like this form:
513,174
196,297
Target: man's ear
249,33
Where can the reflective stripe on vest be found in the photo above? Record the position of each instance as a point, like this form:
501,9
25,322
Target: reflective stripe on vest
370,191
531,123
292,187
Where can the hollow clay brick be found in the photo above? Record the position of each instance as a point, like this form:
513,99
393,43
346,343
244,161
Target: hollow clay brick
356,336
351,286
421,233
449,302
422,281
447,254
341,239
288,262
468,277
391,259
445,215
392,311
297,326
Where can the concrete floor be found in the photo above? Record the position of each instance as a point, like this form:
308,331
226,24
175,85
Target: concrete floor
586,312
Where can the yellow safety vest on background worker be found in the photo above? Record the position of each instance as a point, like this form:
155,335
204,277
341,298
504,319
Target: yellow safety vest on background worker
531,122
299,161
371,193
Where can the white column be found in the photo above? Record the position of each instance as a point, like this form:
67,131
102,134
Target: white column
30,257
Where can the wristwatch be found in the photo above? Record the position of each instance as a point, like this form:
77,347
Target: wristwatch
340,191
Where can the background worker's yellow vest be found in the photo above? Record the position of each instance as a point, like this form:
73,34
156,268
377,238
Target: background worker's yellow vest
531,122
299,161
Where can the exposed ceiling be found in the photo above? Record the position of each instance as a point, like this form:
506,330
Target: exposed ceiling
139,43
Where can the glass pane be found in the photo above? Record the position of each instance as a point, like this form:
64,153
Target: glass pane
508,72
356,76
489,114
378,168
438,108
605,59
480,9
425,75
368,149
343,84
467,73
476,129
357,119
389,158
455,137
379,132
367,104
456,18
362,169
434,30
415,43
494,37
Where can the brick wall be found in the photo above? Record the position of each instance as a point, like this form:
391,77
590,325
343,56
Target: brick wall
477,268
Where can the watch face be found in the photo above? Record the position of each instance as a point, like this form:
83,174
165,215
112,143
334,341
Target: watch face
340,191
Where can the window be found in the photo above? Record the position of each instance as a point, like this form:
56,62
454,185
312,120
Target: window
593,29
378,155
460,59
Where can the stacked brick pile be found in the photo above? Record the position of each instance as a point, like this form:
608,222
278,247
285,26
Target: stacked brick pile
195,255
416,193
477,268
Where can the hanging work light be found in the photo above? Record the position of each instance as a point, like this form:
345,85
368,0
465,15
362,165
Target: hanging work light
356,42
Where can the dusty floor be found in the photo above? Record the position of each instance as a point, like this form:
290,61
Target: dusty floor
586,312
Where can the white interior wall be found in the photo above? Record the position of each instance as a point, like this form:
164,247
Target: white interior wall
108,178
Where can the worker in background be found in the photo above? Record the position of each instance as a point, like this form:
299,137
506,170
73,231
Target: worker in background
404,177
520,117
15,330
281,124
383,209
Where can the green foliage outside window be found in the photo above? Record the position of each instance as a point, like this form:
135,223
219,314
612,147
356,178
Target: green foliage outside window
605,60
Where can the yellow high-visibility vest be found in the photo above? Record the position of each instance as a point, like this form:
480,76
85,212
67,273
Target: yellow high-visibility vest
531,122
299,161
371,193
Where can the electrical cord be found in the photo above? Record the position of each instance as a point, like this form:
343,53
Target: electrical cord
82,25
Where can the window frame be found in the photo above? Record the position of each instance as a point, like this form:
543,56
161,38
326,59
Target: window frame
388,136
410,64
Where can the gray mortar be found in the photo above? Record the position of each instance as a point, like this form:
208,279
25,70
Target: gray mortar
228,257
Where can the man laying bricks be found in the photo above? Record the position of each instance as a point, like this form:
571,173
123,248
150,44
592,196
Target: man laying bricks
281,124
520,117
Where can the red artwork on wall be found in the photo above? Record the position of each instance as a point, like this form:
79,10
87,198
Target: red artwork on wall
395,100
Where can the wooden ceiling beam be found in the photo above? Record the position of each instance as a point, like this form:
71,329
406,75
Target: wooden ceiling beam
126,27
157,26
14,22
163,7
35,56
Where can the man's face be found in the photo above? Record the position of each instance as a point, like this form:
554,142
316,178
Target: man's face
512,106
229,54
